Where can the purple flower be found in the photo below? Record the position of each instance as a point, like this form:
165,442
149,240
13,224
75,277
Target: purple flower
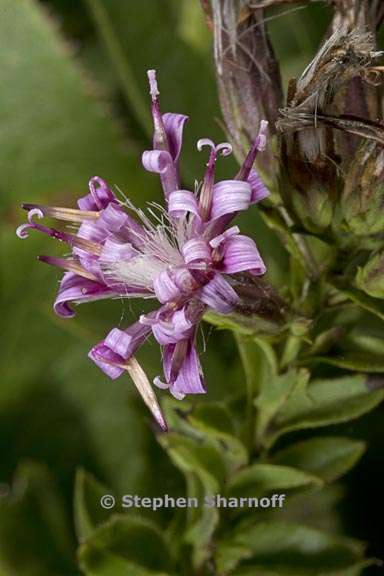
181,255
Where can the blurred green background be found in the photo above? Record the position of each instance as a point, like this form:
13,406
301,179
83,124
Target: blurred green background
73,104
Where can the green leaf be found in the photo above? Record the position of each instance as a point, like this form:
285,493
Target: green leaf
325,402
259,362
88,511
54,133
215,421
35,537
355,362
103,563
366,302
122,539
281,548
275,396
354,570
327,458
204,468
259,479
200,457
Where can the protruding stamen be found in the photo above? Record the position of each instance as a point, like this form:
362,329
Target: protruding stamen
223,149
160,139
153,89
71,239
66,214
68,264
205,142
258,146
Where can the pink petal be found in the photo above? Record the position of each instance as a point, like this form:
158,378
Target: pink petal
182,201
74,288
219,295
171,331
229,197
99,197
239,254
196,250
157,161
165,288
259,190
190,377
174,126
119,345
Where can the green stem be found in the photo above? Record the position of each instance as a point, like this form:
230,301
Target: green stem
118,58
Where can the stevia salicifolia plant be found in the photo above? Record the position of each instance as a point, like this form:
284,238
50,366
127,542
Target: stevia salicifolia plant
307,328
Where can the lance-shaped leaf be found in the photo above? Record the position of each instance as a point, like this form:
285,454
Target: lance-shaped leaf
215,421
124,542
327,458
325,402
287,549
259,479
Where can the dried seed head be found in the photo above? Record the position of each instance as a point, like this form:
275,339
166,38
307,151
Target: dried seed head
247,73
316,141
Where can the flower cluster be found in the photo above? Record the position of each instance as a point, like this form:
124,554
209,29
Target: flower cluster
182,255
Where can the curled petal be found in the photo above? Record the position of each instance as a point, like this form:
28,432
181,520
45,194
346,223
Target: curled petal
181,202
229,197
100,195
258,188
184,280
126,342
239,254
76,289
217,240
117,348
196,250
158,161
189,379
165,287
116,251
174,126
171,331
112,220
219,295
109,362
